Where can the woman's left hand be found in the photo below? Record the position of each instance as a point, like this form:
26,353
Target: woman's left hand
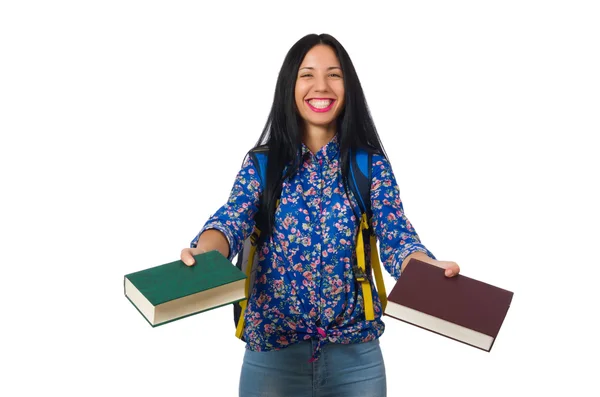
452,268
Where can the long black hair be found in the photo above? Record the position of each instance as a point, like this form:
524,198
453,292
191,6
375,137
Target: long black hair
282,133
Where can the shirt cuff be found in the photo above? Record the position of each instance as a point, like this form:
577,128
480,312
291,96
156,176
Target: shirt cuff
217,226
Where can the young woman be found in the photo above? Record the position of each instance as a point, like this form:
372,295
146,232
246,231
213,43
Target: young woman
305,324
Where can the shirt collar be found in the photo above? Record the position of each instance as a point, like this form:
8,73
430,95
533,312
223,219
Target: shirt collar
329,152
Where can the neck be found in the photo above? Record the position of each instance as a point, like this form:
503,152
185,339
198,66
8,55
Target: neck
315,136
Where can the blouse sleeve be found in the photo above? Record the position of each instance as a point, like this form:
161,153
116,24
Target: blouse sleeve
235,219
397,237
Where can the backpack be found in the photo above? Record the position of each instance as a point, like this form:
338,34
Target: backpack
360,184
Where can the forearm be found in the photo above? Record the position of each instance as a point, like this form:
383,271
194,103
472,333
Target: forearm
213,239
227,229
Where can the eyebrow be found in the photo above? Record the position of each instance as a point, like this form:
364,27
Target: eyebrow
329,68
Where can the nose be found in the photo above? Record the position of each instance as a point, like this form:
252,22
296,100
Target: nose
321,84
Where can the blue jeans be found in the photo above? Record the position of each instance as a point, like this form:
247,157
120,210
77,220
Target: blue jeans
341,370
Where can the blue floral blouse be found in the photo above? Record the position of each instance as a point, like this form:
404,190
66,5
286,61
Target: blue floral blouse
304,286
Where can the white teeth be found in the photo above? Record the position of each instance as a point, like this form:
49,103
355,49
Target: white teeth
320,103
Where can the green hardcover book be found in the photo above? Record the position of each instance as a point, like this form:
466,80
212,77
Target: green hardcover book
174,290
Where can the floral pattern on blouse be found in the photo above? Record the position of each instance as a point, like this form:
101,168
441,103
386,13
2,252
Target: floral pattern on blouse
304,286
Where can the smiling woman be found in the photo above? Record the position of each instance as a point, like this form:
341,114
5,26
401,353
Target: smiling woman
313,320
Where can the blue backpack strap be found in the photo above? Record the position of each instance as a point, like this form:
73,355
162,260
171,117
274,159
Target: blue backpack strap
360,179
259,157
360,182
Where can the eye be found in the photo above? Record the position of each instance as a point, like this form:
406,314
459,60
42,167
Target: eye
306,75
335,75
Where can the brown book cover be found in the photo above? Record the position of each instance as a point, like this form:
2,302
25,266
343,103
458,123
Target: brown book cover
459,307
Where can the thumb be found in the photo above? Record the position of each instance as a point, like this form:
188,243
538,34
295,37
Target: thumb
187,256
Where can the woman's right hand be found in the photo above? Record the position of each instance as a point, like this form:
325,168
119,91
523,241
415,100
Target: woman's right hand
209,240
187,255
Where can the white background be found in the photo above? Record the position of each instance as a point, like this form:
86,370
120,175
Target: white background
124,123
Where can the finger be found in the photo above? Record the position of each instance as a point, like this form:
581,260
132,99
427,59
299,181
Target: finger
186,257
452,270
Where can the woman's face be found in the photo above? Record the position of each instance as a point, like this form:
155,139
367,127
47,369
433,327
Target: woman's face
319,91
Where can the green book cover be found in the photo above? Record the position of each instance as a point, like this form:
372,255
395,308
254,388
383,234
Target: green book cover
165,286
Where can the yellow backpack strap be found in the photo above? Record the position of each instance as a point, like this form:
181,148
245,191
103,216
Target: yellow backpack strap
361,272
376,265
239,331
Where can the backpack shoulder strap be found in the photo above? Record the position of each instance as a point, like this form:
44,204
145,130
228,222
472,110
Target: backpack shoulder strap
259,157
246,257
360,179
361,163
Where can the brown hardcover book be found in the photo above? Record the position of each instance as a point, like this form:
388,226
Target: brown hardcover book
459,307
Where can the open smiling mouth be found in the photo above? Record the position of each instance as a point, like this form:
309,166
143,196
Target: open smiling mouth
320,105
